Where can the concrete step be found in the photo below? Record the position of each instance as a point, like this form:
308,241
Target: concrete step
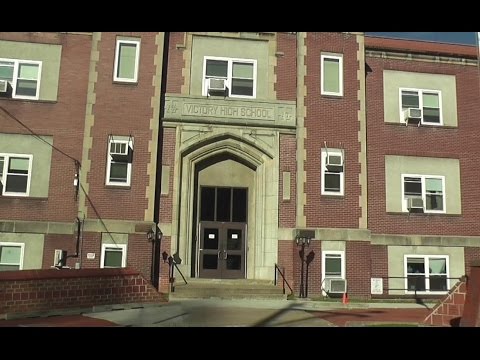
227,289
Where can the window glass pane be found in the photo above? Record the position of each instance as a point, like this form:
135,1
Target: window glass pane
412,186
10,254
430,100
333,265
118,172
113,257
6,71
331,74
437,266
223,204
431,115
242,87
9,267
126,66
434,202
207,204
433,185
26,87
332,182
241,70
217,68
239,208
415,265
18,166
16,183
28,71
410,99
416,283
438,283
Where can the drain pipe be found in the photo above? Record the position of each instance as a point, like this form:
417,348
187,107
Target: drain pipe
157,242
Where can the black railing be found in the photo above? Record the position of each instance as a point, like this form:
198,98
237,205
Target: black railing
172,265
417,284
284,281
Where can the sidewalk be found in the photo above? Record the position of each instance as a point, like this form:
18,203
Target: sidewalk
244,313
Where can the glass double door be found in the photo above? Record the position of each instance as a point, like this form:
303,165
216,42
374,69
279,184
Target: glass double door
222,250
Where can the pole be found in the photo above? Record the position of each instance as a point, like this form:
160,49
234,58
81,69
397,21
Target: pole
302,255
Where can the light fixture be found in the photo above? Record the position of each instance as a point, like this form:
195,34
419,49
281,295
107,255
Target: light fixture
151,235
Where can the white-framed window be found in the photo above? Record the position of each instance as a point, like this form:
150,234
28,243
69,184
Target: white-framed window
332,75
333,265
11,256
238,75
428,101
113,256
426,273
127,55
23,76
15,174
429,188
119,162
332,172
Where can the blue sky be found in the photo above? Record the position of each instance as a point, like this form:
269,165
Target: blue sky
468,38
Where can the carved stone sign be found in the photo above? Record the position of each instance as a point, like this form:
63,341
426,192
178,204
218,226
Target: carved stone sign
229,111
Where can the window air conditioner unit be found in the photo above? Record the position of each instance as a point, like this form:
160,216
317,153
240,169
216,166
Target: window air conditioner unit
3,86
217,85
415,204
60,258
413,116
123,156
335,286
334,163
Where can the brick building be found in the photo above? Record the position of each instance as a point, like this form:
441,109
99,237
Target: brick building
334,155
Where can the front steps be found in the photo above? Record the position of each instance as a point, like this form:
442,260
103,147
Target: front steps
227,289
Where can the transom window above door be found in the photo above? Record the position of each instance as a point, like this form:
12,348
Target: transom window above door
229,77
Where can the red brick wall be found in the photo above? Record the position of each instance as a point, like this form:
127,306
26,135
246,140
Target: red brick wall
168,159
139,254
285,262
289,259
164,268
449,310
288,162
91,243
471,311
458,143
122,109
62,242
334,120
39,290
471,254
358,267
63,119
175,63
379,264
286,69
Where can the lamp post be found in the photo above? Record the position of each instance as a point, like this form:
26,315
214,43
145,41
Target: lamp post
302,241
155,235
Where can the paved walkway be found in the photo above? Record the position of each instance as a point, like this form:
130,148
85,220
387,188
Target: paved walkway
243,313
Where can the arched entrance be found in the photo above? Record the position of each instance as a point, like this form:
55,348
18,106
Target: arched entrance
223,185
226,221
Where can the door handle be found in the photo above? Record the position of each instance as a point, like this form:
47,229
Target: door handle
218,255
225,255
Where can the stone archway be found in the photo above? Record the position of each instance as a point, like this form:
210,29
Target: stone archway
230,153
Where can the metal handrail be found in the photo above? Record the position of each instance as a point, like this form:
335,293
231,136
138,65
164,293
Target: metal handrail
284,281
172,265
417,279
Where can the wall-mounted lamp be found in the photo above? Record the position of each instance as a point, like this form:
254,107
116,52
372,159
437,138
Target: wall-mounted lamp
151,235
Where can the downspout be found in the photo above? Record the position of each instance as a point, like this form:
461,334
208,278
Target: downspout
158,179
